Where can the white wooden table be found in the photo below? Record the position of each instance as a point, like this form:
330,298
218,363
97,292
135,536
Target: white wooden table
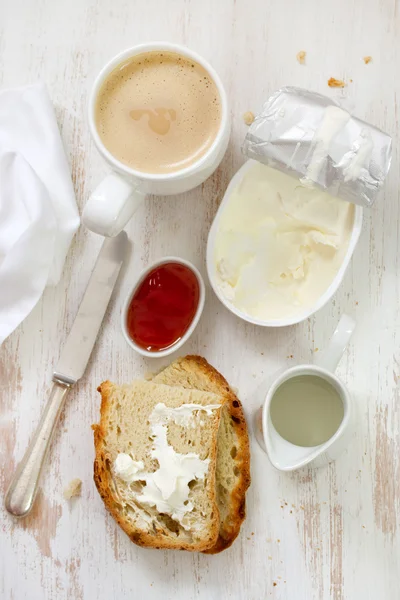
332,533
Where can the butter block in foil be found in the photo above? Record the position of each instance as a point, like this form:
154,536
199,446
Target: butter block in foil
308,136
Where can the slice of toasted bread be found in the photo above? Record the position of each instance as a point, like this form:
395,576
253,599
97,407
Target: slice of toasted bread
233,455
125,427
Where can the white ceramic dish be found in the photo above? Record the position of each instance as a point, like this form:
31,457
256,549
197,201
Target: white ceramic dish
184,338
211,267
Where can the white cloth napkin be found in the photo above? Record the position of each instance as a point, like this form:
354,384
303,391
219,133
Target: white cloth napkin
38,212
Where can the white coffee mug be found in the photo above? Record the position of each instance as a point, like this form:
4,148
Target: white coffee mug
114,201
287,456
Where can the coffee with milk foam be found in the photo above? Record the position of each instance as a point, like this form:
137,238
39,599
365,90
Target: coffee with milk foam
158,112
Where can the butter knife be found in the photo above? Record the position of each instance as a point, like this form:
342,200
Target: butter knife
70,368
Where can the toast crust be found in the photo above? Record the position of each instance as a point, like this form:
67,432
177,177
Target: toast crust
156,537
230,527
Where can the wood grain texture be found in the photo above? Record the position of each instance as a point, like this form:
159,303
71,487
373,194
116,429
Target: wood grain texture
333,533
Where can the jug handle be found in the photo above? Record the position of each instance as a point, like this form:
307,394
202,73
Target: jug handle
330,357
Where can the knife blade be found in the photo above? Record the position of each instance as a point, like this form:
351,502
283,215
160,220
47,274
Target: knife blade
79,345
71,366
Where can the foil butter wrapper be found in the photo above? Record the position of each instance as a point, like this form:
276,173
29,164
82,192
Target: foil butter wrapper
308,136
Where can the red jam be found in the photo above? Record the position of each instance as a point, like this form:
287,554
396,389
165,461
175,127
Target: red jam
163,307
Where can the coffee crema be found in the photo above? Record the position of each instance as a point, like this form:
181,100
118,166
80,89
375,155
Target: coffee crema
158,112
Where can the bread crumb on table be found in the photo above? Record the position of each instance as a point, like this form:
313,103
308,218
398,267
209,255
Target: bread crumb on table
248,117
336,83
301,57
74,488
367,59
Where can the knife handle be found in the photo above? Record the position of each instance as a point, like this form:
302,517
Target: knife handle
25,483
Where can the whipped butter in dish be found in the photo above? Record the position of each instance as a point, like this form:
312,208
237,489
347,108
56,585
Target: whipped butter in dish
279,245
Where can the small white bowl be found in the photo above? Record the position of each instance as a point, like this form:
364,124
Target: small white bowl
211,267
196,318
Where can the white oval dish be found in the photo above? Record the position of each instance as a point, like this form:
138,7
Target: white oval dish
211,267
196,318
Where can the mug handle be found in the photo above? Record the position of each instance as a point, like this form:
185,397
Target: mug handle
111,205
330,357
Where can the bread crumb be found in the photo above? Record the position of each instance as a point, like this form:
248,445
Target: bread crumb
148,376
316,349
269,557
301,57
274,584
248,117
336,83
74,488
367,59
234,390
